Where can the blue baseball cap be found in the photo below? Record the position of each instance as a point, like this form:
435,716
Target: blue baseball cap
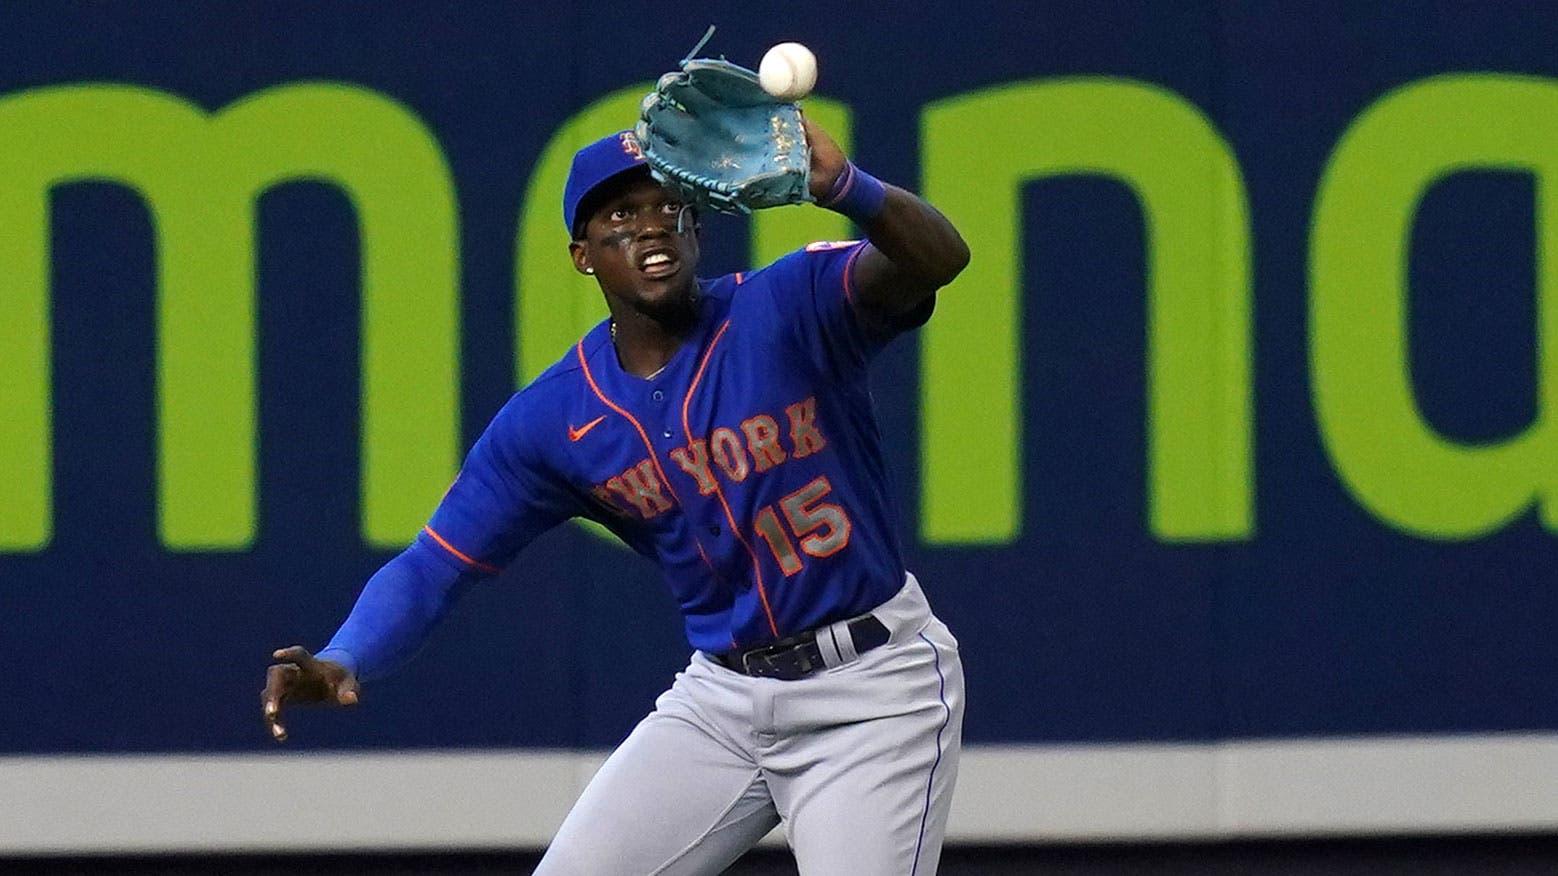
595,165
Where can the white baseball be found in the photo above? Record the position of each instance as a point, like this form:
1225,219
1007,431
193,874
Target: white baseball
788,71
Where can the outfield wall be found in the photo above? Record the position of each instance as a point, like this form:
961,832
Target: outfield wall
1228,460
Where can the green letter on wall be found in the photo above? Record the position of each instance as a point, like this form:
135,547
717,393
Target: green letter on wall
200,176
1390,459
979,151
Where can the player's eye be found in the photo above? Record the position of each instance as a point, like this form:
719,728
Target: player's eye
621,214
671,208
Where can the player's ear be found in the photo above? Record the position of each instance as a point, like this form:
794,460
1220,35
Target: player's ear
581,259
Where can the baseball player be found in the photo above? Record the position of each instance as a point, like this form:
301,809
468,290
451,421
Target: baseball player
724,429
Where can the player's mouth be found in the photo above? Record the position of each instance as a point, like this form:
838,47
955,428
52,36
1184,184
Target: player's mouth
658,264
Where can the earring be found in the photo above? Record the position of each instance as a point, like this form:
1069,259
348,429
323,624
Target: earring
589,270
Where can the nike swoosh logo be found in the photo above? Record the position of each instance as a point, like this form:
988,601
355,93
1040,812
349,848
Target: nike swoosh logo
576,434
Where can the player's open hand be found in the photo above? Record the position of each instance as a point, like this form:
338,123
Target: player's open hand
298,677
827,159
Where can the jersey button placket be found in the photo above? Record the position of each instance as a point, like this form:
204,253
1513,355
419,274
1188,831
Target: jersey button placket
658,395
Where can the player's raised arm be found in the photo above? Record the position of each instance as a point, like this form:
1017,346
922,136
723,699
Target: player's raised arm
728,139
914,249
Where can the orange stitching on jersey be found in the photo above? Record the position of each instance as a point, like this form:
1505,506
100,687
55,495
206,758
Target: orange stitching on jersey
644,436
630,418
757,568
456,551
707,562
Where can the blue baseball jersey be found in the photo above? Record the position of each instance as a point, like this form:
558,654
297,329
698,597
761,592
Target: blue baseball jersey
749,469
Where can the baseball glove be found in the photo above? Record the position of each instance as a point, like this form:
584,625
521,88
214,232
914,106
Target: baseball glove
711,132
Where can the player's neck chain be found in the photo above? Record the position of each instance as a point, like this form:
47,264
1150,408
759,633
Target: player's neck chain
695,300
650,376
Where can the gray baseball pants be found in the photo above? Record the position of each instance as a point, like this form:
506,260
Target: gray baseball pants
857,761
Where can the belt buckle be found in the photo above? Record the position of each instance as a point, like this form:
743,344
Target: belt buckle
765,668
787,662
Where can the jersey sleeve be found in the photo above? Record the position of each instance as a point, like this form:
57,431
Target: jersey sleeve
814,292
504,497
396,612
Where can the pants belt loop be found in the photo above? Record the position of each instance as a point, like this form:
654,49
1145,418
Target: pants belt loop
828,645
839,633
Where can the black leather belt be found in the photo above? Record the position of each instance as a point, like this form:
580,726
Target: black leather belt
800,656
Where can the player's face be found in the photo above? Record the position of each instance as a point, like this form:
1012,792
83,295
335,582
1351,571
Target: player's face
638,256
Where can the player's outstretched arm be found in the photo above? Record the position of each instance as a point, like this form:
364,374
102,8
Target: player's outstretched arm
501,500
299,677
394,615
914,249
